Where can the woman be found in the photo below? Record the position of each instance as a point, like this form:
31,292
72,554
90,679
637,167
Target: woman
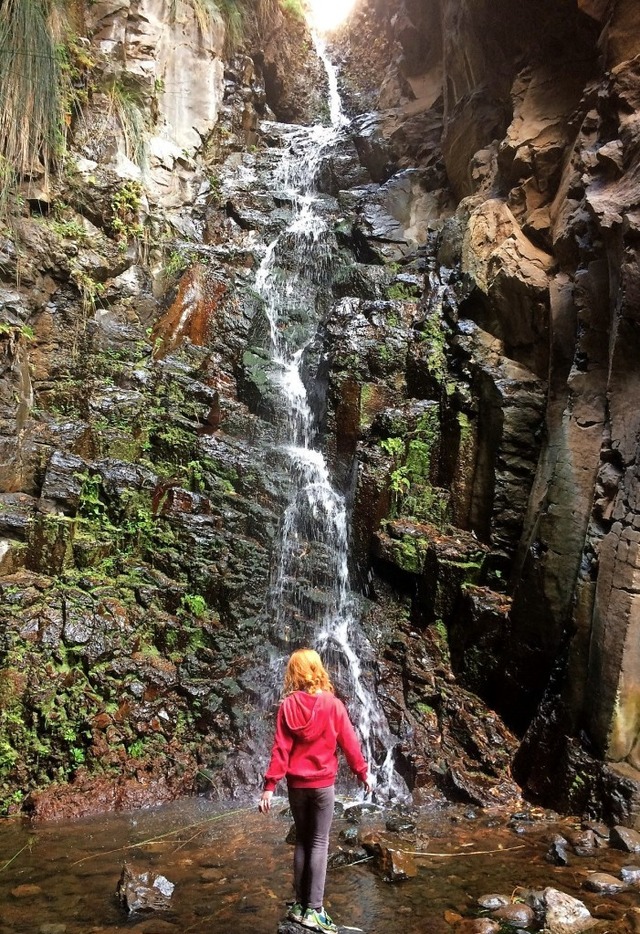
311,724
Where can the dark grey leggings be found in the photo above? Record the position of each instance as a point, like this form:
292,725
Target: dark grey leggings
312,810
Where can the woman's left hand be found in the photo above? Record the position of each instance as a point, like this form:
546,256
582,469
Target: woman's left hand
264,805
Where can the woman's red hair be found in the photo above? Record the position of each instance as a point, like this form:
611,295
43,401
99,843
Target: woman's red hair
305,672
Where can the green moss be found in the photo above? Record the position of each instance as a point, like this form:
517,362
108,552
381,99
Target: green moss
194,604
402,292
409,553
464,424
425,709
434,336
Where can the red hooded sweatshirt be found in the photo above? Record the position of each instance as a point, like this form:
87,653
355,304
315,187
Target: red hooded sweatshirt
309,729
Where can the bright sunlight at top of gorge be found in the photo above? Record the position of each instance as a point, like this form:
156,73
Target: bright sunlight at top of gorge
326,15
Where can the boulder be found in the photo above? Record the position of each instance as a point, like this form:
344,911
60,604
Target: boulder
604,883
395,865
517,916
143,891
557,852
565,914
624,838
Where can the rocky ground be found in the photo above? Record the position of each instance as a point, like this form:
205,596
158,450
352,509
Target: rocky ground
188,866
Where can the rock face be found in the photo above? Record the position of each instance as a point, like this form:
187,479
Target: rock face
472,369
540,258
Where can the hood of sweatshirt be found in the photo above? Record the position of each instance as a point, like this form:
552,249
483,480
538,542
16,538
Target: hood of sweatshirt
306,715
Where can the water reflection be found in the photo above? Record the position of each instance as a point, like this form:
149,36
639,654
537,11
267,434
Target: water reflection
232,871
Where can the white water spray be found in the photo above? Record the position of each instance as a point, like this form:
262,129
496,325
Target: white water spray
311,599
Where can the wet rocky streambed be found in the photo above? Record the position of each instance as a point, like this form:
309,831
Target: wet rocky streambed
231,870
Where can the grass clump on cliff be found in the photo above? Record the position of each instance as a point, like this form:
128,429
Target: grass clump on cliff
31,118
241,17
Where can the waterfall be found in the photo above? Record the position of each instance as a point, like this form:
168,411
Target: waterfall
311,602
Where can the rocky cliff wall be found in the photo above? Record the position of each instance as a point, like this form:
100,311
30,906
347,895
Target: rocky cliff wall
538,143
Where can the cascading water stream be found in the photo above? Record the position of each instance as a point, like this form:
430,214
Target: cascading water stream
311,600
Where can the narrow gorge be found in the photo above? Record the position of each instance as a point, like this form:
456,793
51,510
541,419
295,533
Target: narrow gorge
320,339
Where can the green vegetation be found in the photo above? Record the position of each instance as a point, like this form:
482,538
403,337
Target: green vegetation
75,65
393,446
414,494
177,263
293,7
128,101
31,119
194,604
402,292
90,289
69,230
125,207
239,16
15,331
434,335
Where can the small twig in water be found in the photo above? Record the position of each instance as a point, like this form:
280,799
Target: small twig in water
15,856
365,859
503,849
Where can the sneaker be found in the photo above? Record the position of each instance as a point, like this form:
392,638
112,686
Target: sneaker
318,920
295,912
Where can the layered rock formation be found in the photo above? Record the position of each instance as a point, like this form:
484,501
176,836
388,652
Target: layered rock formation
538,139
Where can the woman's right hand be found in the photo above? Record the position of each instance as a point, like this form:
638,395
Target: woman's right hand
264,805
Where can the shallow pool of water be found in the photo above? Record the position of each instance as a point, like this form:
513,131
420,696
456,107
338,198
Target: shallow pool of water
232,871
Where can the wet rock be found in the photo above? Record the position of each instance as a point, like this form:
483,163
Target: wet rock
493,902
536,900
349,835
355,812
565,914
518,916
630,874
604,883
600,830
477,926
347,857
143,891
476,637
63,479
557,852
623,838
16,512
373,148
582,841
401,212
400,824
27,890
395,865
